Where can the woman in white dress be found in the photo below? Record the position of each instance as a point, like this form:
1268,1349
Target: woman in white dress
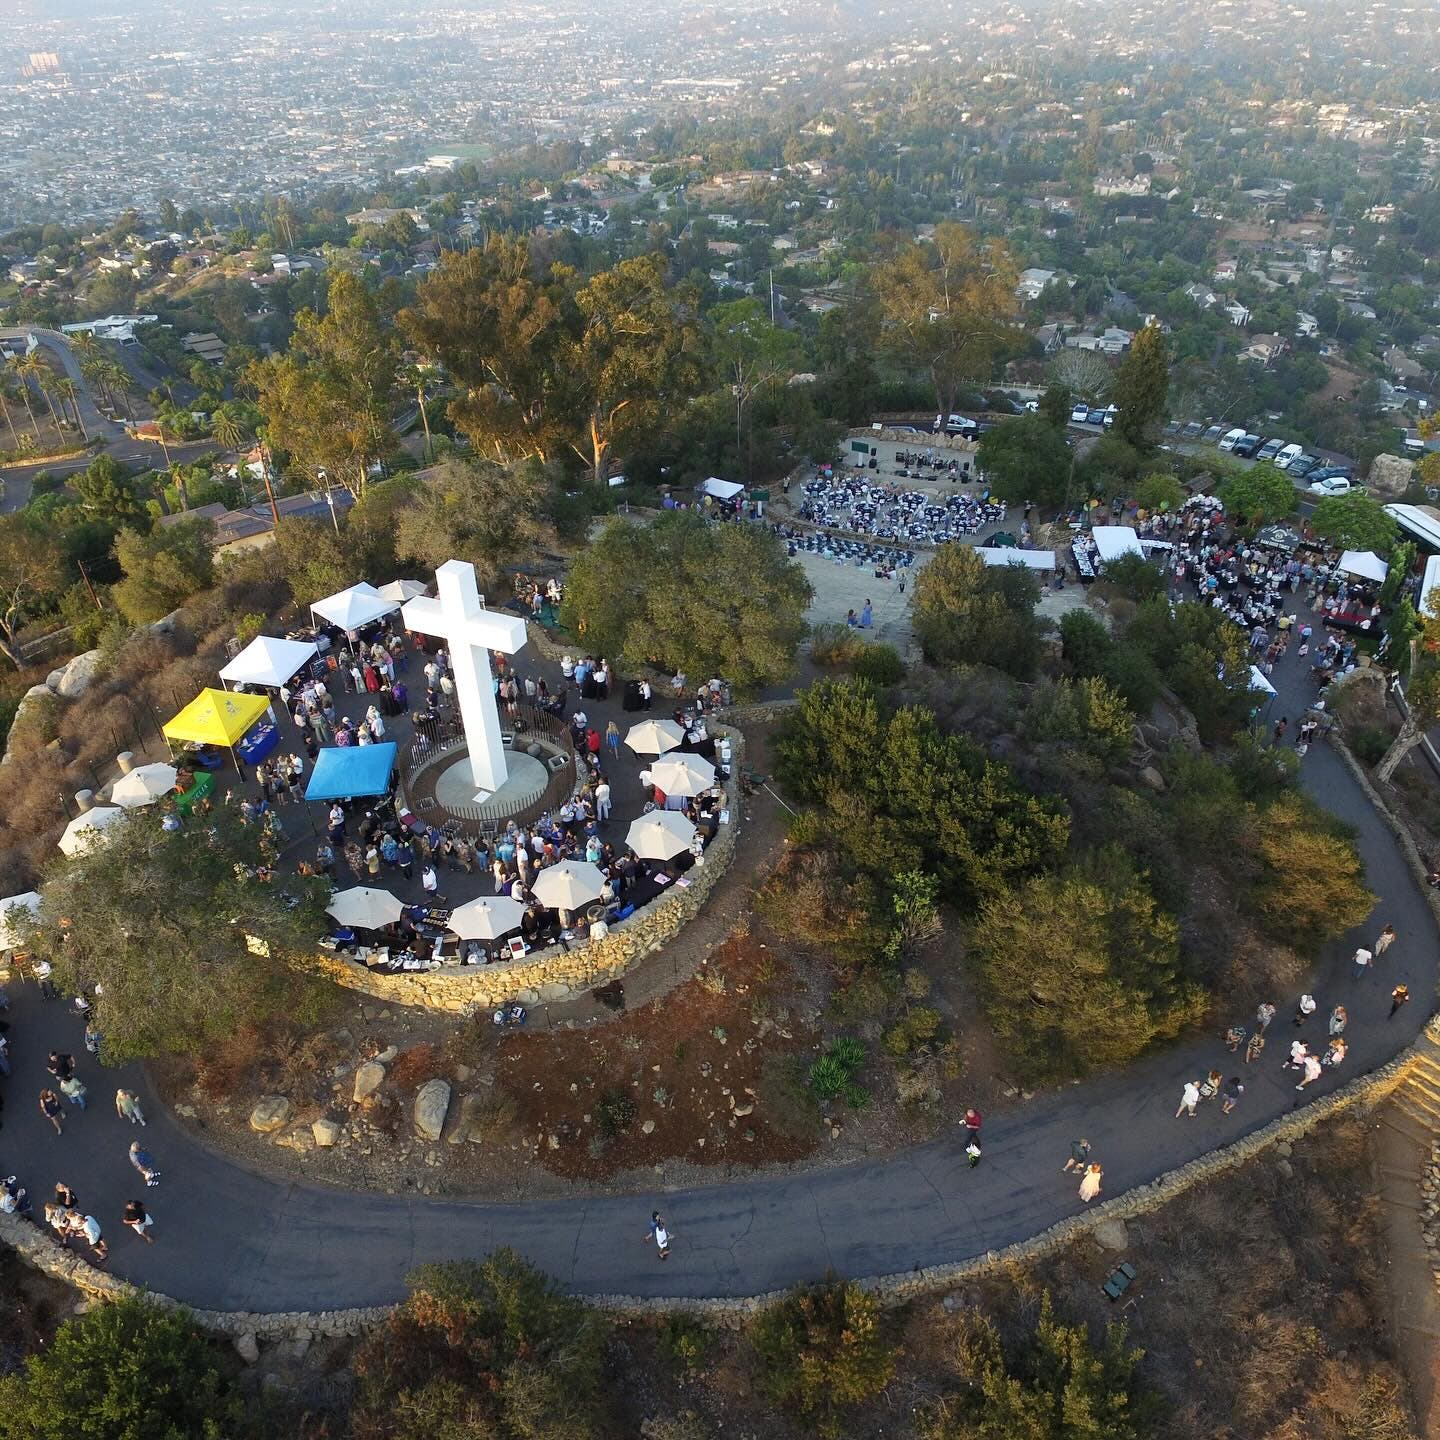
1090,1185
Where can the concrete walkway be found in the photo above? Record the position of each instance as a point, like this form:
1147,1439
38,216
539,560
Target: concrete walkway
231,1239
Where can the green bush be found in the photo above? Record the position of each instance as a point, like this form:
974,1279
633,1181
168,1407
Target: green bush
615,1113
1135,577
125,1370
880,664
822,1350
685,1340
832,1076
916,1030
1368,744
835,646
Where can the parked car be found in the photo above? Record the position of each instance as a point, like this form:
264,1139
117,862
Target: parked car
1269,450
1232,438
1080,415
1192,431
1301,466
959,425
1329,472
1288,456
1095,417
1212,435
1004,405
1333,485
1249,446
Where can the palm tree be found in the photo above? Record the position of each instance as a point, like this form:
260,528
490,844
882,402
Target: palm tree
118,378
7,394
45,383
177,478
69,393
227,431
93,372
18,366
415,375
87,347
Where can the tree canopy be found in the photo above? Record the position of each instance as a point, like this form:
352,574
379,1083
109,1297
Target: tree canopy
1027,459
1142,384
184,942
478,511
32,568
125,1370
164,568
945,307
968,613
1354,522
1259,495
683,594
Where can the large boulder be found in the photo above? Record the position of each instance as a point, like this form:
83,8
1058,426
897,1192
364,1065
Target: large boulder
271,1113
326,1133
79,675
1390,476
432,1104
368,1079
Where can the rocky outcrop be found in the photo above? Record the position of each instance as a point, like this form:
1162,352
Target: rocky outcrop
271,1113
1390,476
368,1079
78,676
432,1104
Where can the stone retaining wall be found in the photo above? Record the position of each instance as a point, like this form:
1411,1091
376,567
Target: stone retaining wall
556,973
921,439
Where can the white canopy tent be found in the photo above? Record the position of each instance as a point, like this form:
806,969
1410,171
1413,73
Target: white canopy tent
1008,555
487,918
568,885
365,908
682,774
269,661
1363,565
89,829
1113,541
403,590
660,835
13,909
352,608
1428,586
144,785
721,489
1259,682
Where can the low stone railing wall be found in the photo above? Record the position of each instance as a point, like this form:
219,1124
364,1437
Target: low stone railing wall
555,973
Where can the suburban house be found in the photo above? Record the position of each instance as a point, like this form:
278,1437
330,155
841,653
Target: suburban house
1033,282
1238,313
1113,341
1263,348
1306,324
1107,186
1202,295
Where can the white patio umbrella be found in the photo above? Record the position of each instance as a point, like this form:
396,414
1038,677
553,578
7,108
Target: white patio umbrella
82,832
660,835
654,737
365,908
568,885
683,774
10,912
144,785
403,590
487,918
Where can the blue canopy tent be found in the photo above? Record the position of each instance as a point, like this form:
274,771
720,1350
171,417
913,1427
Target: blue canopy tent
347,772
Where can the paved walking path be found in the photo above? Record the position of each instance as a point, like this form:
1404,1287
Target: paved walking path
230,1239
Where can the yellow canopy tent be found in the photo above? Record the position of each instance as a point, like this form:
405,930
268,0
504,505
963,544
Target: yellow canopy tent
216,717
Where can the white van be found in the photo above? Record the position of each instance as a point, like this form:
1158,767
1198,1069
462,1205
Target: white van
1288,456
1231,438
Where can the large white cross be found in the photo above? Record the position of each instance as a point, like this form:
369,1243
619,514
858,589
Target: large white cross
470,632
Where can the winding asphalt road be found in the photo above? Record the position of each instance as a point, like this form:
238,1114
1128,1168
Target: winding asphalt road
230,1239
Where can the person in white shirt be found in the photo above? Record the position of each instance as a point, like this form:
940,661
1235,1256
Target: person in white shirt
602,801
1189,1100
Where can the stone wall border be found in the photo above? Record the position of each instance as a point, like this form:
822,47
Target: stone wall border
555,973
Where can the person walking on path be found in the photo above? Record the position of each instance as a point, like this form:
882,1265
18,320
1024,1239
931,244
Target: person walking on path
1399,996
1334,1053
972,1149
1384,940
144,1162
89,1227
1079,1154
1189,1099
1090,1184
1254,1047
1230,1096
972,1123
127,1107
1298,1051
1264,1015
1210,1086
50,1109
1362,959
1339,1019
139,1219
60,1065
1312,1071
612,739
74,1091
659,1234
1305,1009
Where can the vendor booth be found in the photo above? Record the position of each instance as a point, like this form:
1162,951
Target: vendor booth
350,772
270,662
1113,541
354,608
1362,565
242,724
718,489
1030,559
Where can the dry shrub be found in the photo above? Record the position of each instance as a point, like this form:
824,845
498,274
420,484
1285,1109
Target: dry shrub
225,1066
144,653
94,729
38,725
415,1066
179,682
810,900
494,1116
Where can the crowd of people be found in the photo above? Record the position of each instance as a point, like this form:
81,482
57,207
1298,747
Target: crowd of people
894,512
64,1098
